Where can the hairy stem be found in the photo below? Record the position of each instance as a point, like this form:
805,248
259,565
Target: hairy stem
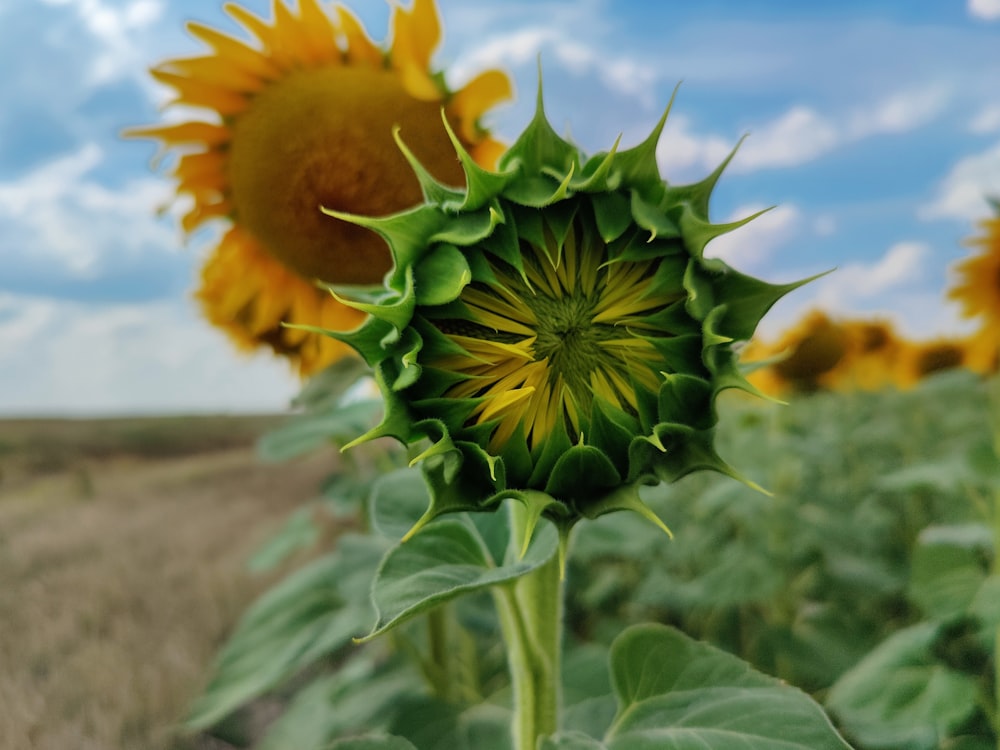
530,612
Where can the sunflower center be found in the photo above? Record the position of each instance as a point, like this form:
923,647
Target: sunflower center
540,344
568,338
323,137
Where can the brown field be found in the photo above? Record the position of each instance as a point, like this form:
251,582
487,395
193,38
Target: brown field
123,546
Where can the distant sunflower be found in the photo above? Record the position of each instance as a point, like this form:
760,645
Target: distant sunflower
806,357
873,353
300,118
924,359
978,292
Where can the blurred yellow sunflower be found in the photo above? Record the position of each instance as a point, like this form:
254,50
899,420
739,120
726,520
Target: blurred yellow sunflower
301,117
806,356
923,359
978,292
874,351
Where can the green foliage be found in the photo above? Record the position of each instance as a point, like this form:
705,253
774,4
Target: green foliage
308,617
804,582
863,579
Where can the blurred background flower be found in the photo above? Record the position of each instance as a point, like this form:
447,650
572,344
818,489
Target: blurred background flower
298,118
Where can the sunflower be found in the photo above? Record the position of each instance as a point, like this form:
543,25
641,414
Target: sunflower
874,350
924,359
554,333
806,357
298,117
978,292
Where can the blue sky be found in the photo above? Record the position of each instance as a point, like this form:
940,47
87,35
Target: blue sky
873,126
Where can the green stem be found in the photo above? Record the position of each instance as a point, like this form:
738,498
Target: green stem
530,611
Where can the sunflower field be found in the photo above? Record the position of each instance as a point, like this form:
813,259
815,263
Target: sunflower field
574,513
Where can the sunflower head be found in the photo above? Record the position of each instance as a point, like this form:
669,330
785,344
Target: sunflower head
924,359
978,292
553,332
805,358
296,113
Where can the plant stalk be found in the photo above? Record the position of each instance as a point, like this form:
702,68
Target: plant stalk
530,611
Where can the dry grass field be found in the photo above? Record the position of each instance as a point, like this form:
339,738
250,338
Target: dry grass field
123,546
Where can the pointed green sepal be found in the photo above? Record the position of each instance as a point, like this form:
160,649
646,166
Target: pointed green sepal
698,232
481,185
638,164
699,194
433,191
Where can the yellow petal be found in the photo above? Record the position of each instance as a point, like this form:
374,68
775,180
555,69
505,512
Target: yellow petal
478,95
185,132
216,71
197,94
360,48
318,33
235,51
415,34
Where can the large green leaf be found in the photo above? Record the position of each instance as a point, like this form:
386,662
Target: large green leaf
307,616
675,693
901,696
447,559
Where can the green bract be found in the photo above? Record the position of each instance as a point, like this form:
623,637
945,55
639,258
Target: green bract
554,332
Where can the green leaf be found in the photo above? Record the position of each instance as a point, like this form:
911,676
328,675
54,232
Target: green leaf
444,560
435,725
306,617
307,432
949,566
675,693
325,389
900,696
299,532
398,500
588,703
359,697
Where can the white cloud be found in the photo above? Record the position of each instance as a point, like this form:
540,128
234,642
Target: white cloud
62,357
987,121
963,192
622,74
900,112
797,136
985,9
801,134
750,245
58,211
680,151
113,28
855,284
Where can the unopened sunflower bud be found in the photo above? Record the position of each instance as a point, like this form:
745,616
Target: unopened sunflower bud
554,332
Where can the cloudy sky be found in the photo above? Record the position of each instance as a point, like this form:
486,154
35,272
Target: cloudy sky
874,127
